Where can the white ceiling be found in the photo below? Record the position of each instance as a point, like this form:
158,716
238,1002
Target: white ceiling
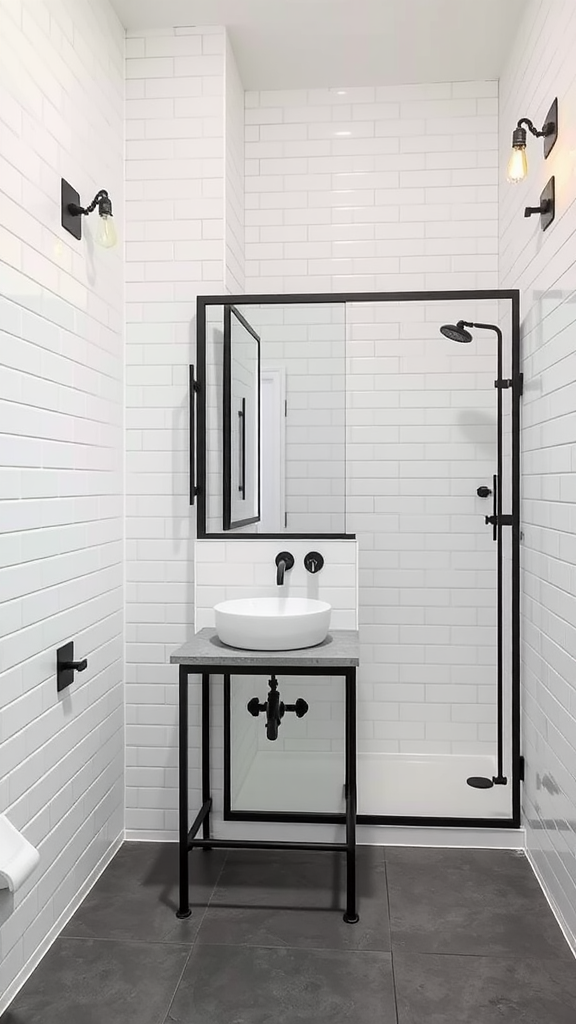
291,44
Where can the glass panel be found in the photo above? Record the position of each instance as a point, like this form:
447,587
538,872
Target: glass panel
303,769
421,415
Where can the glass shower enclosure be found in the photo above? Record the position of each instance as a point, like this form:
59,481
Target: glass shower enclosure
426,428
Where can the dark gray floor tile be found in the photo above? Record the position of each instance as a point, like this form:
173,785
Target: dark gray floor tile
297,899
251,985
483,902
483,990
137,895
84,981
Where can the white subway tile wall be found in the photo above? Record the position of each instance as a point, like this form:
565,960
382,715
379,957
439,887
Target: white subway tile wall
234,182
541,66
61,536
177,247
381,188
227,569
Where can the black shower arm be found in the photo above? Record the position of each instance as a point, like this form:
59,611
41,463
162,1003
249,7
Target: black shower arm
485,327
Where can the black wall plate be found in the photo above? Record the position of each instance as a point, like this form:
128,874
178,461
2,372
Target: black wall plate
73,224
64,676
551,118
548,204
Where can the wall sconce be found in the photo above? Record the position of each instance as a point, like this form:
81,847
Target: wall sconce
518,164
72,215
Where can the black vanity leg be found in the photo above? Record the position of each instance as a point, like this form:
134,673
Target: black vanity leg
184,907
206,797
351,915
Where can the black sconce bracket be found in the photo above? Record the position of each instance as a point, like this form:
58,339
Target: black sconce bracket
549,130
72,211
547,207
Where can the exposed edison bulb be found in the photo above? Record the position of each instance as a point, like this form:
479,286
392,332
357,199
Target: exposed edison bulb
106,235
517,165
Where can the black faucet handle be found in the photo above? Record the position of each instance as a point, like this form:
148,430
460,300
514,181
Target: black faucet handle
287,558
313,561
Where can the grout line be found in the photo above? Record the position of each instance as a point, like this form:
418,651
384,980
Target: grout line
214,887
171,1000
194,943
124,942
298,949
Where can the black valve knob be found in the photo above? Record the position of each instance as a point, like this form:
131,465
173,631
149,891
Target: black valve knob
255,707
484,492
301,708
313,561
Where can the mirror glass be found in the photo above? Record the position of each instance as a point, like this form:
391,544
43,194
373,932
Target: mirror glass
241,437
301,421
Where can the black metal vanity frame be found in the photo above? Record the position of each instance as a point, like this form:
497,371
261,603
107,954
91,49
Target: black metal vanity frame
188,833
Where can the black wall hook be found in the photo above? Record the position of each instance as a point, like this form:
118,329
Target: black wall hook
547,207
66,666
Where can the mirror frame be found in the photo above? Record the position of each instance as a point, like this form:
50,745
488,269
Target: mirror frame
198,471
228,522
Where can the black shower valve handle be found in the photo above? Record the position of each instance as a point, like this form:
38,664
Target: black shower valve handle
313,562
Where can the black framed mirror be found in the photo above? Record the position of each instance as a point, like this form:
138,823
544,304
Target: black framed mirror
241,389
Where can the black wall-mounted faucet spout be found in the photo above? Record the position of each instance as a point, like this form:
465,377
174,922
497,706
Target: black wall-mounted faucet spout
284,562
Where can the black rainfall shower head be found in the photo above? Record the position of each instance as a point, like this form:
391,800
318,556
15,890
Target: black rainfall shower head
456,332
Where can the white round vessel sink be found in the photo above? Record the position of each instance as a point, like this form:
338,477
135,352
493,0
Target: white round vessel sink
272,623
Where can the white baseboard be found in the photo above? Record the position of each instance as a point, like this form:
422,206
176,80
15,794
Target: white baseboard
134,835
23,975
566,931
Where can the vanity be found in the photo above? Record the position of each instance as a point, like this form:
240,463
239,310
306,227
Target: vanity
201,661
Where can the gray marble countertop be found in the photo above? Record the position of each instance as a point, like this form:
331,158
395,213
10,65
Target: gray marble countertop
340,649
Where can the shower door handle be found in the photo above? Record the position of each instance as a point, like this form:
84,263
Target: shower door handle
493,519
242,449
